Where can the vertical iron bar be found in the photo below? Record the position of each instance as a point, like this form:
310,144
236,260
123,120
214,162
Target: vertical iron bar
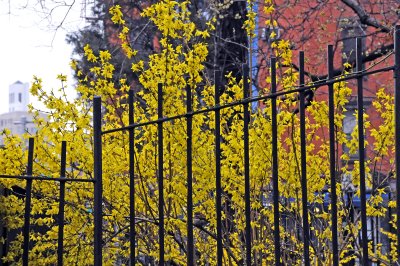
377,227
217,76
332,163
132,234
98,186
246,121
397,131
160,176
190,244
28,198
275,180
371,224
306,226
390,212
61,205
361,152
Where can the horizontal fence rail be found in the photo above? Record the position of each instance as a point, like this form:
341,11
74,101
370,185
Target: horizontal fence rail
249,100
45,178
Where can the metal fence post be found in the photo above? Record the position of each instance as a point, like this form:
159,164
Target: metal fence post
160,175
361,151
60,247
304,197
190,240
332,163
28,198
275,169
98,187
397,130
132,234
218,187
247,196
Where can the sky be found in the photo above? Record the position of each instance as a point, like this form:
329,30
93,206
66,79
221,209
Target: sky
30,45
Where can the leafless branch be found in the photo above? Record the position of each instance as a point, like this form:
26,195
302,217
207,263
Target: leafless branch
365,18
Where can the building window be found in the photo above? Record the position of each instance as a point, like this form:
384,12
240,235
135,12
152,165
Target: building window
11,97
20,97
271,34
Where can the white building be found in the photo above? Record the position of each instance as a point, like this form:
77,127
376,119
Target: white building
18,97
18,120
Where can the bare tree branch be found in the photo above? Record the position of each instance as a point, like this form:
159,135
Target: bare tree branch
365,18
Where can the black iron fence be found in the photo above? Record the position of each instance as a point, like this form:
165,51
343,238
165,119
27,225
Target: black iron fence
29,177
302,90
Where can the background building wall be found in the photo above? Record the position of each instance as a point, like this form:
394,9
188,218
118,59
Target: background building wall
18,95
18,120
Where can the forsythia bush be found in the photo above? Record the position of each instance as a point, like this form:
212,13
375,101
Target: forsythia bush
180,63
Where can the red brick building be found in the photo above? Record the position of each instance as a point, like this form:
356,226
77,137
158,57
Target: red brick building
310,26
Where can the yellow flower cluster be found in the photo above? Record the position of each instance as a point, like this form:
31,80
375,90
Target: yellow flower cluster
250,23
116,15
